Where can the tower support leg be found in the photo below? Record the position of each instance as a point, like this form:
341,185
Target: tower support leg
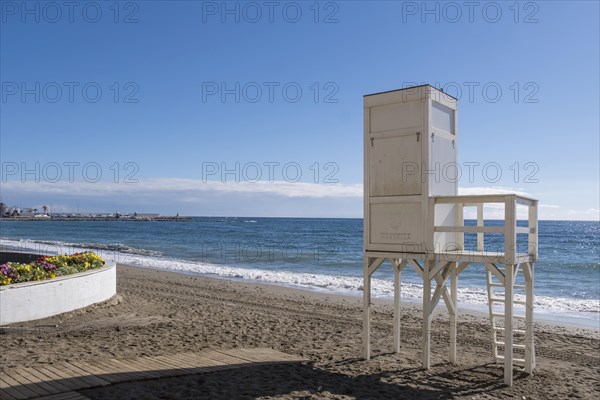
427,266
529,339
398,265
453,311
371,265
508,323
367,310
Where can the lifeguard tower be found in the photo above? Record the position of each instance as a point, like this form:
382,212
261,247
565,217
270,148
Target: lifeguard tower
414,217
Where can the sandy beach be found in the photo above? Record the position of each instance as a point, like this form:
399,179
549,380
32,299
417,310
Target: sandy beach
159,313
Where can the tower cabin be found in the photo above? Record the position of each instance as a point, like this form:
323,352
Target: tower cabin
413,216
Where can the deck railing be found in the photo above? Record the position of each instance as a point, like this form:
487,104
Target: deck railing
509,229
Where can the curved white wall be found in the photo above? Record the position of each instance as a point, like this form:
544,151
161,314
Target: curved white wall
34,300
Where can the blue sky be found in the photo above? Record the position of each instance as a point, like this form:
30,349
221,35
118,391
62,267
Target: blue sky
212,108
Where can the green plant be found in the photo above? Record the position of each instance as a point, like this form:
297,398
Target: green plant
48,267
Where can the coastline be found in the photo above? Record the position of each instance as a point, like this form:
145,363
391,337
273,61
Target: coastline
550,310
161,312
99,219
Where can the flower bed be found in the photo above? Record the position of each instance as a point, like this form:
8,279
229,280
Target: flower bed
48,267
79,280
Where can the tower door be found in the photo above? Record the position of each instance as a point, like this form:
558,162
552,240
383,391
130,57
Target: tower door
395,165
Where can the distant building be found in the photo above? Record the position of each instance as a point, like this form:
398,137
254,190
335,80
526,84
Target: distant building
13,211
28,212
145,215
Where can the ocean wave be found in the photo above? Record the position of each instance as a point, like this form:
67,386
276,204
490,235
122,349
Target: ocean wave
57,246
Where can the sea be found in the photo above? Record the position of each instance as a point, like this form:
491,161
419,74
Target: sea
323,255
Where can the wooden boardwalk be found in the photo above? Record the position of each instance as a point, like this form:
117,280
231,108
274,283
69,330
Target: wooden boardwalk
61,381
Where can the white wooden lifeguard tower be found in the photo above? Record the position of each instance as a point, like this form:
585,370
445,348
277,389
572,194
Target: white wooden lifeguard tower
413,216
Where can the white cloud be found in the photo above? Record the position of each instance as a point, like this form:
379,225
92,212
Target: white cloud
493,210
469,191
548,206
192,197
187,188
591,214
